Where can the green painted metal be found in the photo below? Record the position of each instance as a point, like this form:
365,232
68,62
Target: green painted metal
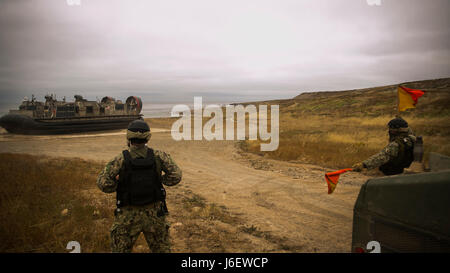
404,213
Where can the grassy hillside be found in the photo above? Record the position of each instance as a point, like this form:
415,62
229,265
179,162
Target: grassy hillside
339,128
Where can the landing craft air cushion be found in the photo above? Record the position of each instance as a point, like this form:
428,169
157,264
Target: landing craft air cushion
61,117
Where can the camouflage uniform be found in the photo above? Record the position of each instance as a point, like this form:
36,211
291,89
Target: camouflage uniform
391,151
130,221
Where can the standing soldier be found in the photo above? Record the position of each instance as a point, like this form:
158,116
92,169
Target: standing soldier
136,177
397,155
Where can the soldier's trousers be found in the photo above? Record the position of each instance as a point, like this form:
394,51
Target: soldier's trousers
130,221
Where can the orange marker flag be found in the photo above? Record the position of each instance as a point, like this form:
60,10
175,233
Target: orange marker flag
332,179
407,97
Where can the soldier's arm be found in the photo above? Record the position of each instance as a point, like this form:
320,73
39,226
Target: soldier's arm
383,157
106,180
172,173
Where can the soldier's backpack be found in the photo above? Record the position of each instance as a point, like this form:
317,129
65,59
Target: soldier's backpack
139,181
403,160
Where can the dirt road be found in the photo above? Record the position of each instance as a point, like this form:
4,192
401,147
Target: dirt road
286,200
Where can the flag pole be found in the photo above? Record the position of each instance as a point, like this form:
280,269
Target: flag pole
398,103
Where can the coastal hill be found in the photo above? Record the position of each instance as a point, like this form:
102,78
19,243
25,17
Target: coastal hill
374,101
339,128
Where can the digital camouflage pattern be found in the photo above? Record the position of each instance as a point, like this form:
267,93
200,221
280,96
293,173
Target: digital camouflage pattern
383,157
130,221
139,135
389,152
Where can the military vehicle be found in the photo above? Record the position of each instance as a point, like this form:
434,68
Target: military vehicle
405,213
61,117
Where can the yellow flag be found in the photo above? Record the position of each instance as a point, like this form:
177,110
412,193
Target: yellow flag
407,97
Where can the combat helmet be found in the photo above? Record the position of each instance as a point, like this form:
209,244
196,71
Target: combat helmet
398,127
138,130
397,123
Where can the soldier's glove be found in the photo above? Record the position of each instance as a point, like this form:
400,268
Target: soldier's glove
358,167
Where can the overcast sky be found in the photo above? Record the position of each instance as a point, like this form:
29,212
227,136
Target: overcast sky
224,50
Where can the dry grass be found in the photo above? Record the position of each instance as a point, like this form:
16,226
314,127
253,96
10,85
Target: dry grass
338,129
340,142
36,190
34,193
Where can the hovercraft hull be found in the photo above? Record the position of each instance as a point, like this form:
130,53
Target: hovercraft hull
20,124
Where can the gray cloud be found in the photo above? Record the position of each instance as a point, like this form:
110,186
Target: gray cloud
169,51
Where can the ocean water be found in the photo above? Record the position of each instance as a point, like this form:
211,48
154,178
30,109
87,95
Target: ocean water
6,106
157,110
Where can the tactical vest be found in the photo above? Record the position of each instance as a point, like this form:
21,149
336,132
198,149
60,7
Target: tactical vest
139,181
403,159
